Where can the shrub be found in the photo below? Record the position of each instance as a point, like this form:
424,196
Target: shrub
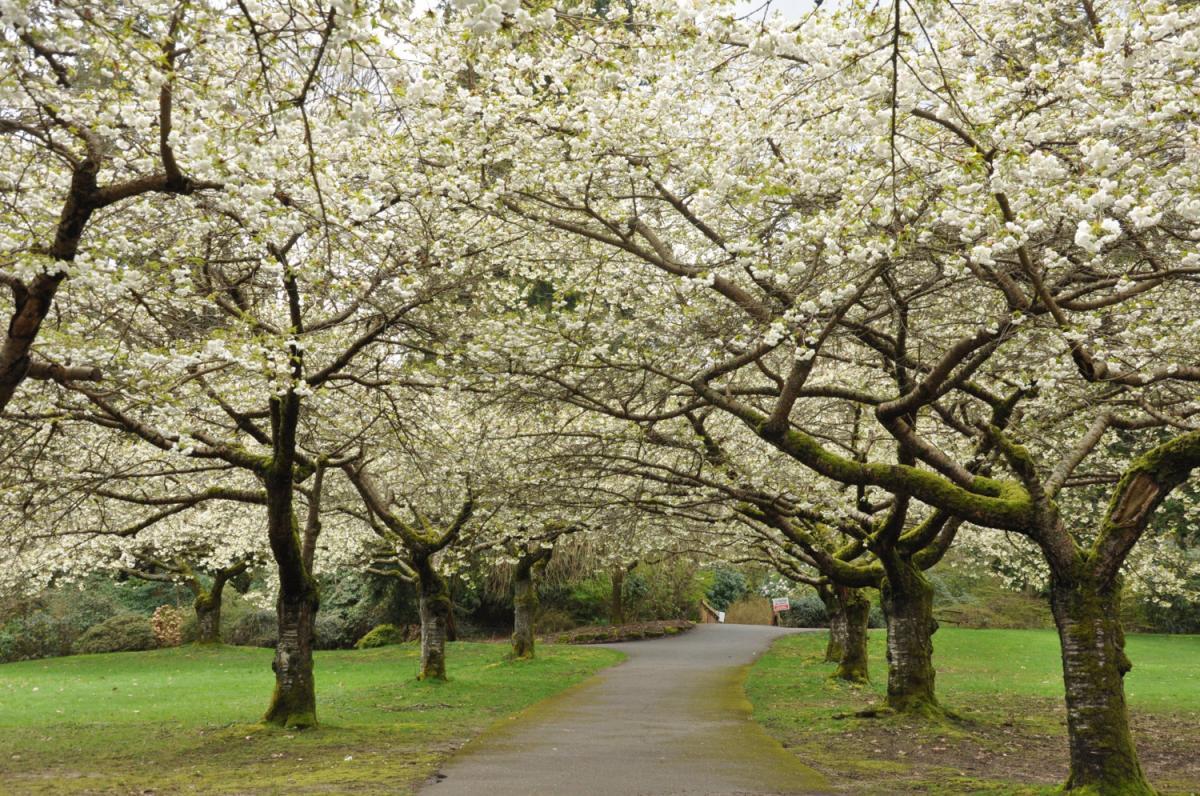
589,599
47,625
254,629
553,620
807,611
382,636
167,624
663,590
875,617
36,635
351,604
339,629
120,633
728,587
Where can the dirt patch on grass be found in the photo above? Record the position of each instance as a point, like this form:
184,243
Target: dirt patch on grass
602,634
1018,747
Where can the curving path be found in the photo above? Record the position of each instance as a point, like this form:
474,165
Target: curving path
672,719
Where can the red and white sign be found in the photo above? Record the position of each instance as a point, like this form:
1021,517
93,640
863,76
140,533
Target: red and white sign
779,604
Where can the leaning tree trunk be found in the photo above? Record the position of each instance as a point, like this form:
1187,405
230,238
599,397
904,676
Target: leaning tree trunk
1104,760
907,598
434,607
208,617
855,609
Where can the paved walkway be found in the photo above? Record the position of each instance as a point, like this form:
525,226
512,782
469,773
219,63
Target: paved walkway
672,719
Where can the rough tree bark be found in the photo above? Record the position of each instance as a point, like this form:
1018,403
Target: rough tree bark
1104,759
849,611
525,601
208,601
907,598
836,645
294,702
208,616
855,610
434,607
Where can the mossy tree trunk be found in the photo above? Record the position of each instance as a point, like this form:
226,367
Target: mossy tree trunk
525,600
907,598
525,604
848,610
1104,759
208,616
836,645
208,603
434,607
855,610
294,702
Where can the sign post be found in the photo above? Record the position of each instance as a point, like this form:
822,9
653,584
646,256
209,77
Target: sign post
778,606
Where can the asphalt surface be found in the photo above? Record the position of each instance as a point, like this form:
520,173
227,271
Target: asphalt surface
672,719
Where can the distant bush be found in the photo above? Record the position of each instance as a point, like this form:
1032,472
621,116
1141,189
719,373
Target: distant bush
728,586
588,600
37,635
979,600
351,604
381,636
339,630
807,611
876,618
554,620
167,624
663,590
254,629
121,633
48,624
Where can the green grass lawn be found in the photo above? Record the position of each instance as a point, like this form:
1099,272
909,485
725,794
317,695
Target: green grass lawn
184,720
1006,688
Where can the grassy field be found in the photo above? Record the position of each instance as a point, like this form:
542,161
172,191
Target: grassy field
1009,736
184,720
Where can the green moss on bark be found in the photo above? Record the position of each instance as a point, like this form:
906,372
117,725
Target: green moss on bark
1104,759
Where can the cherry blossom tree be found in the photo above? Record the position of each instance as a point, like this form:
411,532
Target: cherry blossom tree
896,209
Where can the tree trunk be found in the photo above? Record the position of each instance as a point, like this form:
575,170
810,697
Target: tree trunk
1104,759
208,617
617,608
855,612
525,605
434,606
294,703
836,645
908,605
